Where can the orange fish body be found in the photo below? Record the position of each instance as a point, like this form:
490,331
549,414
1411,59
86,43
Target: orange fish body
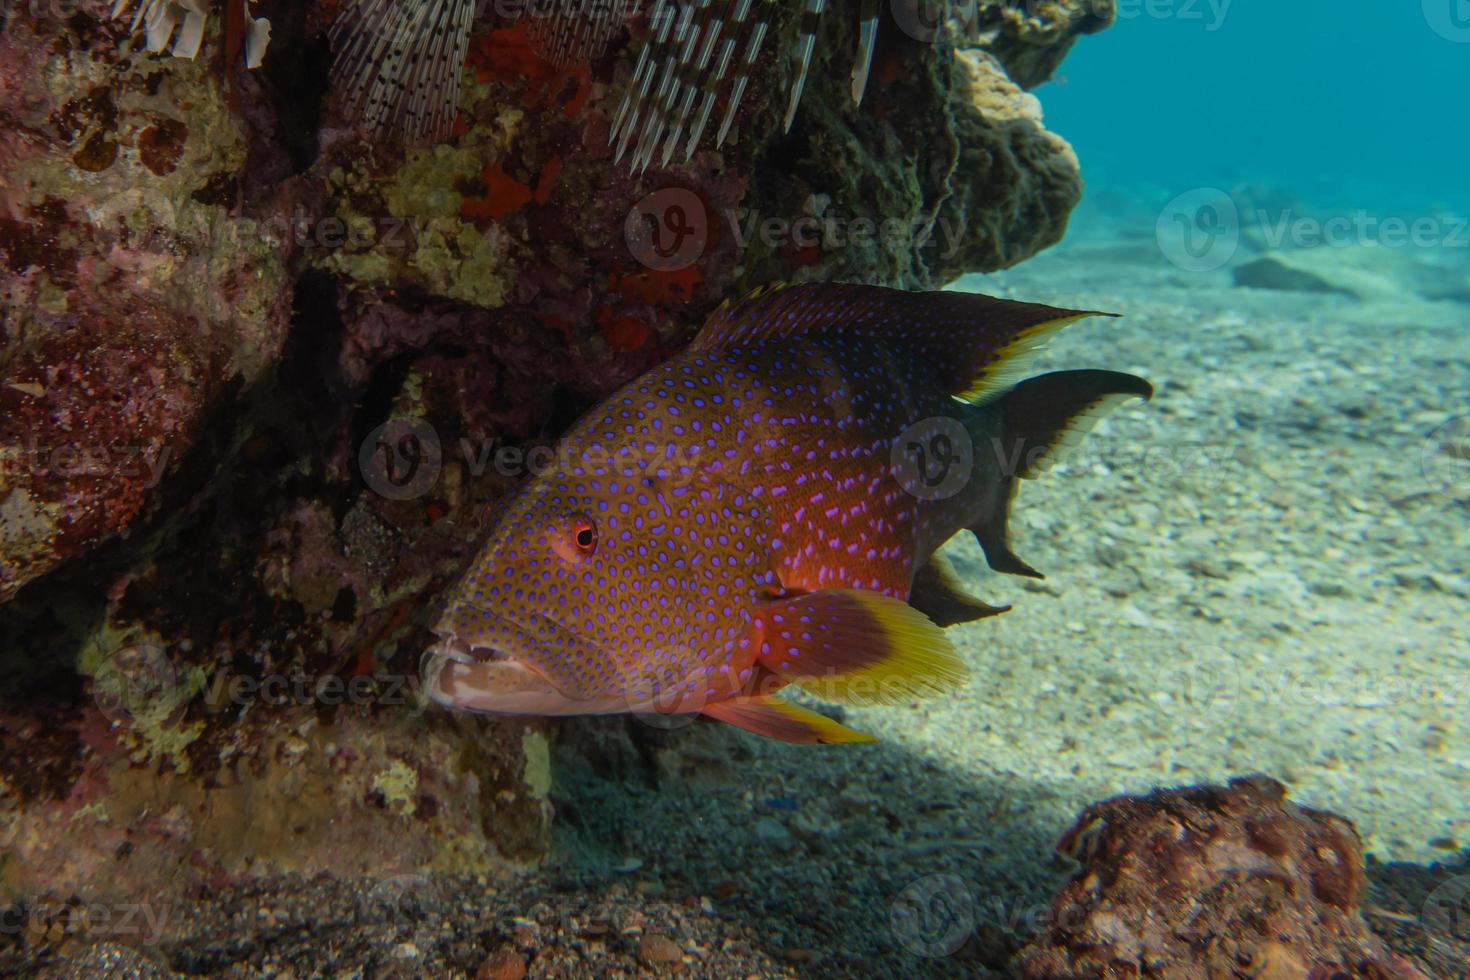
763,510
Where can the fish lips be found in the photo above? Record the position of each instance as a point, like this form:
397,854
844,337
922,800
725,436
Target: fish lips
491,678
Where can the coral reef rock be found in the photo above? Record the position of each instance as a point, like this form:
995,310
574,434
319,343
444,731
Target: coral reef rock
258,376
1211,882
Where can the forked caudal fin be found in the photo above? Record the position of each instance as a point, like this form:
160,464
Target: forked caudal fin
1043,417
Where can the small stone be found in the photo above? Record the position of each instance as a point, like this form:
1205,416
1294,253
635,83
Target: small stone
407,951
657,950
769,830
503,964
1276,961
1206,568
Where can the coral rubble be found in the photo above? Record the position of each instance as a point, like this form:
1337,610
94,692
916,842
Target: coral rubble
1212,882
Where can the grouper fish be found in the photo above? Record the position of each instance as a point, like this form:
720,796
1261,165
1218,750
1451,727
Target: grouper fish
764,509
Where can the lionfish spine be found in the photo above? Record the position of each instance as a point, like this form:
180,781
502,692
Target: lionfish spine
570,32
400,63
867,42
804,45
742,77
695,54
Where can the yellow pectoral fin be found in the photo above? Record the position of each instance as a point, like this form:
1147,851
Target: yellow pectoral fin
858,647
784,721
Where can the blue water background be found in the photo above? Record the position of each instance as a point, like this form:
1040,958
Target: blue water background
1347,105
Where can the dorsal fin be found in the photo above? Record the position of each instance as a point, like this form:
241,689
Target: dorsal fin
972,341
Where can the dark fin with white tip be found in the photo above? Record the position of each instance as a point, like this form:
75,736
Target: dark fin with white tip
783,721
938,594
1043,418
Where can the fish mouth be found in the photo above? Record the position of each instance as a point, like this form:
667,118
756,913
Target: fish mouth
489,678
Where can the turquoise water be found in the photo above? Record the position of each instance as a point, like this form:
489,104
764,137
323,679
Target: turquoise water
1364,101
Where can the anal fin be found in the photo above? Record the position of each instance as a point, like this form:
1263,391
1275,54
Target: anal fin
783,721
854,646
938,594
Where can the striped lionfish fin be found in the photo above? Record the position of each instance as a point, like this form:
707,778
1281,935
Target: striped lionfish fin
805,42
578,33
400,62
694,53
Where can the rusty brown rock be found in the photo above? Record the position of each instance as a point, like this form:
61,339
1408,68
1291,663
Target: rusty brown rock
659,952
1211,881
503,964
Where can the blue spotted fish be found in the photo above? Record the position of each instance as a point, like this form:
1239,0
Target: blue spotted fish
764,510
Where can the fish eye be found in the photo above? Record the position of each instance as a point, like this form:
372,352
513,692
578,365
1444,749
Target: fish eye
585,536
577,540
